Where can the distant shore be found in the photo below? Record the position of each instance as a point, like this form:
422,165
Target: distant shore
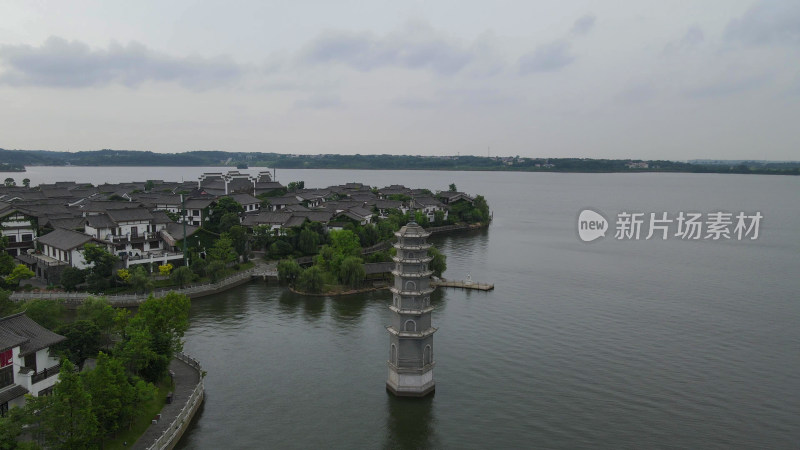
256,160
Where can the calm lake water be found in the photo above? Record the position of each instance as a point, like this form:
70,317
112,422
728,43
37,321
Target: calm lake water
613,344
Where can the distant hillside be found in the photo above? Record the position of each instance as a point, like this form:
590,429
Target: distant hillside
386,162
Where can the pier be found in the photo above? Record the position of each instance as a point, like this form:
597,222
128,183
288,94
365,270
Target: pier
464,284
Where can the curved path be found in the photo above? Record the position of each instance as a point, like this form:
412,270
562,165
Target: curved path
186,379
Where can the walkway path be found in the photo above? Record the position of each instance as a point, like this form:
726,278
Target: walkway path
186,379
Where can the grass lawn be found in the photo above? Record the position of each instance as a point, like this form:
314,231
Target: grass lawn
147,412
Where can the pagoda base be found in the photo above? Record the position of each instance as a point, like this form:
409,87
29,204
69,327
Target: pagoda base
410,385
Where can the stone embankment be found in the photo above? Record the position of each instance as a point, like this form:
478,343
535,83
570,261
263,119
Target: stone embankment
176,416
75,299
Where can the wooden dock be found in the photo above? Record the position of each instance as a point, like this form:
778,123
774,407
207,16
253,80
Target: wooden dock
464,284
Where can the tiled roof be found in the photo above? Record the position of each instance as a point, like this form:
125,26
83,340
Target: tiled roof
295,221
64,239
175,230
37,337
12,392
129,215
100,221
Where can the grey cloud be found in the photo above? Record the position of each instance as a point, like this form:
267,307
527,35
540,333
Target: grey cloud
320,101
767,22
694,37
59,63
416,46
459,97
728,86
547,58
636,94
584,25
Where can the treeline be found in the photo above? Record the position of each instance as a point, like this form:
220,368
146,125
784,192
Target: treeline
90,407
108,157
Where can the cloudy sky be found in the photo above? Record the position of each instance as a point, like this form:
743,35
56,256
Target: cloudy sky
617,79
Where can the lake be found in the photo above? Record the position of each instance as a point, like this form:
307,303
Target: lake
614,344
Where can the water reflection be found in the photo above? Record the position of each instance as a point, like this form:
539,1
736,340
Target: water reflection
229,304
314,307
347,310
287,303
411,423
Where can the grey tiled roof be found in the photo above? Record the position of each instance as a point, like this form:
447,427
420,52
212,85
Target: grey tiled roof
244,199
161,217
100,221
295,221
129,215
36,336
12,392
266,218
64,239
69,223
175,230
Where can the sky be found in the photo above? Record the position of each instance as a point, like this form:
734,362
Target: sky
643,79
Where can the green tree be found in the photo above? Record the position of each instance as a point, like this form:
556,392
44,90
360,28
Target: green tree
262,236
83,341
182,275
294,186
149,185
46,313
71,277
140,280
216,270
136,350
102,262
222,250
97,283
20,272
480,204
351,272
280,248
9,182
288,271
100,312
439,262
198,266
68,419
438,218
228,221
113,397
453,187
308,241
224,206
239,239
345,242
6,263
311,280
7,306
26,182
421,219
11,427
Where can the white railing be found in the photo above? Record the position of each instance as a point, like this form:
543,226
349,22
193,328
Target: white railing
177,427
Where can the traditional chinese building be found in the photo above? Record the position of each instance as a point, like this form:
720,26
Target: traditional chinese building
411,334
26,363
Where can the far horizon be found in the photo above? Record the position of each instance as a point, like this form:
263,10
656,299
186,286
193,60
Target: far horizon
234,152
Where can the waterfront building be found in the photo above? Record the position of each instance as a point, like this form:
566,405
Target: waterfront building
410,333
26,363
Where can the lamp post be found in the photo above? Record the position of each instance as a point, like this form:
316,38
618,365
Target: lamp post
183,220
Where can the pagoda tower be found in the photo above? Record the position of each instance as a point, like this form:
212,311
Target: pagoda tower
411,334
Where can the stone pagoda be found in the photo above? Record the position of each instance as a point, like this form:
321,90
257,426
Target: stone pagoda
411,334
